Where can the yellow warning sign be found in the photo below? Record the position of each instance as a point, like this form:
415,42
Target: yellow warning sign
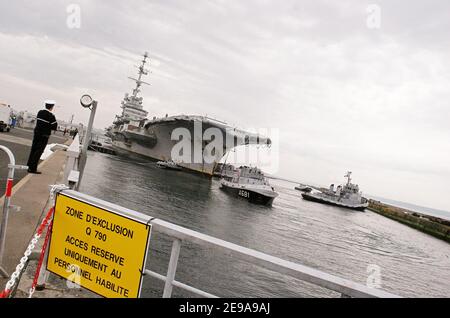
97,249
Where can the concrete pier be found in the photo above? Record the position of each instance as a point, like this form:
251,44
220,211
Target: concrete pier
30,192
19,141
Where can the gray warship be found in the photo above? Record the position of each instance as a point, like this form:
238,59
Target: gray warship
346,196
132,133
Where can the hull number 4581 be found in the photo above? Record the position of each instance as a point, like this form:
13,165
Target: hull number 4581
244,193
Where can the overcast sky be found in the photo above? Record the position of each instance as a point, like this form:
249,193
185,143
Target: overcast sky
346,91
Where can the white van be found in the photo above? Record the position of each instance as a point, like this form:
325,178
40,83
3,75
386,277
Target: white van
5,117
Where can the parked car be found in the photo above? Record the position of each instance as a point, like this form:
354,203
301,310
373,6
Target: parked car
5,117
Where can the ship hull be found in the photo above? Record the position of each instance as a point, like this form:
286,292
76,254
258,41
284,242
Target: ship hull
154,141
161,154
159,147
249,195
313,198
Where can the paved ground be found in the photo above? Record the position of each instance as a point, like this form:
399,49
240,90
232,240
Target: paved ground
56,137
31,193
19,141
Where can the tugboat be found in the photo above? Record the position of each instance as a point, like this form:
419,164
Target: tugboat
303,188
346,196
249,183
168,164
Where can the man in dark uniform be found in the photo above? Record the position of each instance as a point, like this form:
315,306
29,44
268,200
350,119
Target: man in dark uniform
45,123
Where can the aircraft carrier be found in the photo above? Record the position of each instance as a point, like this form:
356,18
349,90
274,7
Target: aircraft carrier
133,133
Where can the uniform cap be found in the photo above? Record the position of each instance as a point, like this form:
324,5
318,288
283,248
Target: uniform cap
50,102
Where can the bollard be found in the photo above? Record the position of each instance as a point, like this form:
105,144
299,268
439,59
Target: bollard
6,204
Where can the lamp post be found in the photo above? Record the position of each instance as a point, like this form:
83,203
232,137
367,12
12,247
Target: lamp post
87,102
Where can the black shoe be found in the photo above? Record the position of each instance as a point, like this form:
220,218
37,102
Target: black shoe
40,287
34,172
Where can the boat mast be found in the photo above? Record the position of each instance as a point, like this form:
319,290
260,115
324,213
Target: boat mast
223,166
348,177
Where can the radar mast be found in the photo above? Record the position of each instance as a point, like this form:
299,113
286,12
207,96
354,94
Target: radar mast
349,173
139,81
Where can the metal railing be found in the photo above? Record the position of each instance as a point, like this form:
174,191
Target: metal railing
71,169
7,203
180,234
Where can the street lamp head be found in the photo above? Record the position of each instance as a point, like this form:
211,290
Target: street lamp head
86,101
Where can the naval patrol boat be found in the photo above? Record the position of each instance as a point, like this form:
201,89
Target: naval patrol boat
346,196
169,165
303,188
249,183
133,133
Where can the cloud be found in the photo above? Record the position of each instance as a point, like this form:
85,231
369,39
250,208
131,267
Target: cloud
342,95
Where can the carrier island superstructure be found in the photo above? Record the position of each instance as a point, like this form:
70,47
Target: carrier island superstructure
133,133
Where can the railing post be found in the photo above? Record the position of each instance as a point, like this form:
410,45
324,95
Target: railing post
176,246
43,274
72,154
6,205
69,167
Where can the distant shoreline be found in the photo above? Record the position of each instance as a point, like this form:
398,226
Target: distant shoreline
435,226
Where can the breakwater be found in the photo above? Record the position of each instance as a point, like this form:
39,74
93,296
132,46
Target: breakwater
437,227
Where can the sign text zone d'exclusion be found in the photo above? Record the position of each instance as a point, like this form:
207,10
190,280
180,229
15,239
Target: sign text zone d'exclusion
90,246
92,249
104,224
